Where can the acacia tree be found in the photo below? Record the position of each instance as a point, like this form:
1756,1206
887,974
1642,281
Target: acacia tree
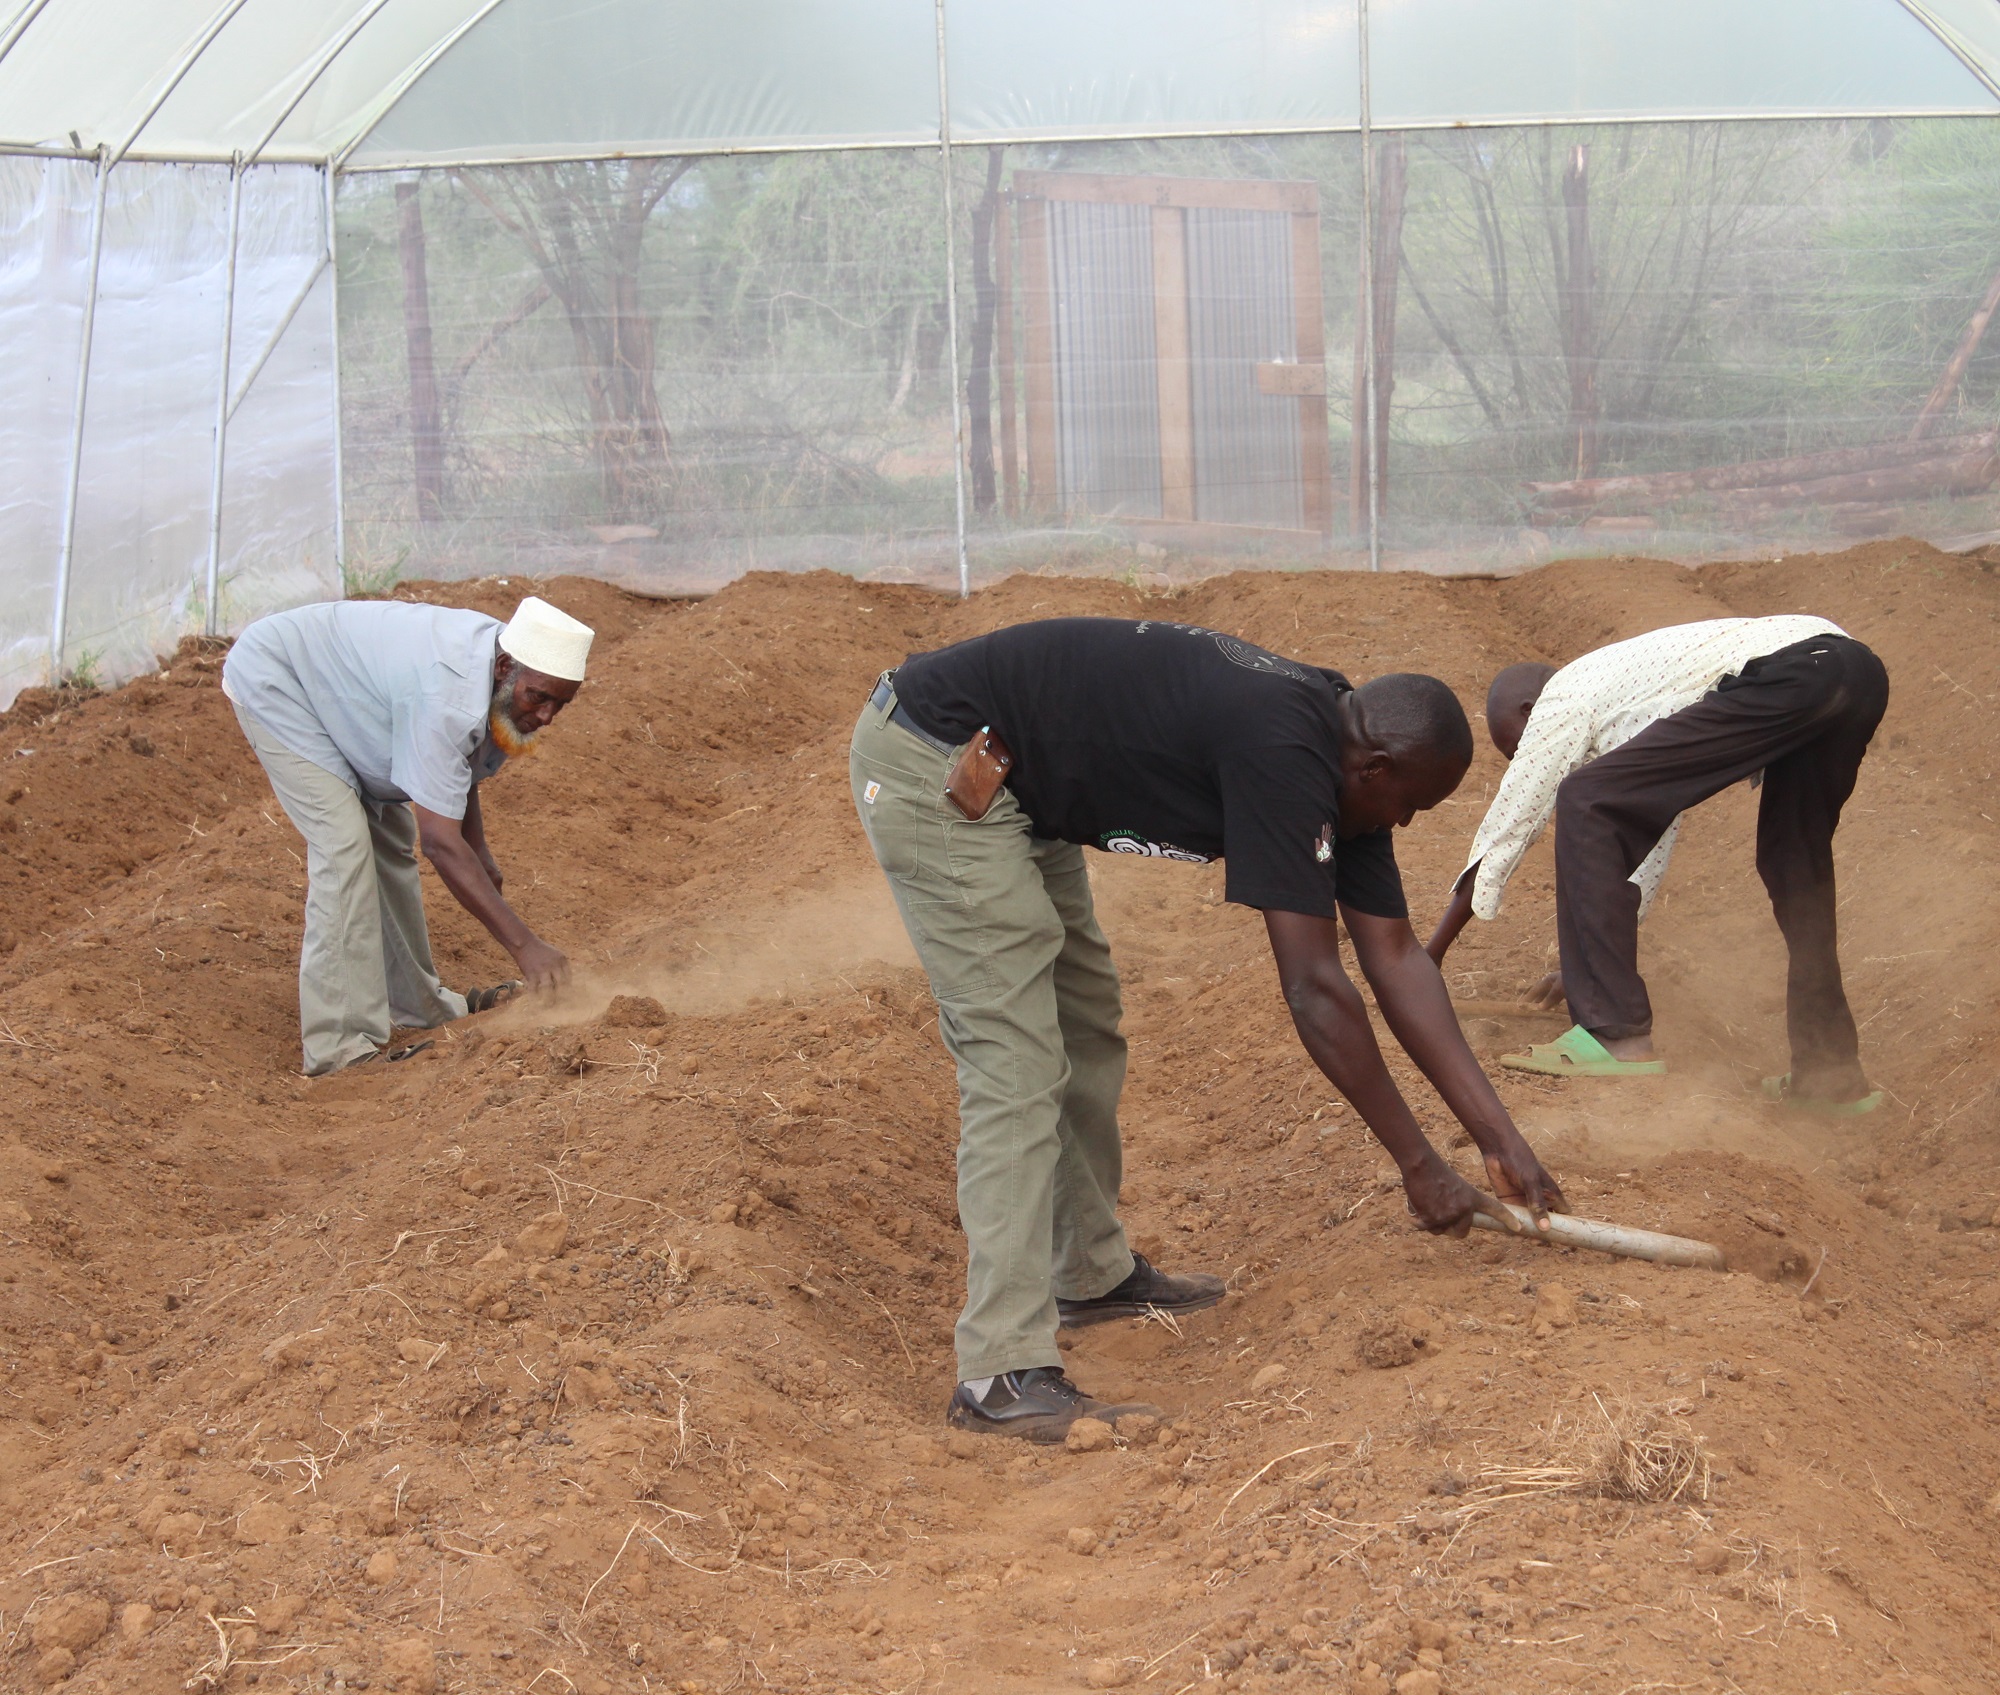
1567,276
584,227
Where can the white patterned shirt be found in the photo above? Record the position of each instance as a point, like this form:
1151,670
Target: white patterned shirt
1600,702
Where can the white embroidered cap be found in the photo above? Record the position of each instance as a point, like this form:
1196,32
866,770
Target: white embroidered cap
546,639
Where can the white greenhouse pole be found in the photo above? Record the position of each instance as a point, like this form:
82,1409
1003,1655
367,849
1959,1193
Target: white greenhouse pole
210,623
951,308
59,617
333,313
19,27
1368,300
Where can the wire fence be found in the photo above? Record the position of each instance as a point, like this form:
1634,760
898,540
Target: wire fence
1685,338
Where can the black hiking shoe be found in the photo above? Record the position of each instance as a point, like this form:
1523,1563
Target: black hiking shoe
1148,1289
1037,1405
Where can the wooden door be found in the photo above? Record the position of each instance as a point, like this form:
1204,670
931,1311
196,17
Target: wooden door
1174,363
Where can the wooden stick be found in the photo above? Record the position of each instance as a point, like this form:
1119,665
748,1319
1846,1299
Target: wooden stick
1756,473
1568,1231
1954,371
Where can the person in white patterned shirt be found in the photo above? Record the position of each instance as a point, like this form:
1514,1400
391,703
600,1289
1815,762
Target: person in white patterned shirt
1617,745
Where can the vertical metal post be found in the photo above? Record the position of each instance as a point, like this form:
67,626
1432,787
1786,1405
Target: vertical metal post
210,622
333,294
59,618
951,306
1368,299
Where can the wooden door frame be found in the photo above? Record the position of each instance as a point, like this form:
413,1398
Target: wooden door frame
1170,198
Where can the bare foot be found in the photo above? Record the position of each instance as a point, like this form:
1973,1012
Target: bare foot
1629,1047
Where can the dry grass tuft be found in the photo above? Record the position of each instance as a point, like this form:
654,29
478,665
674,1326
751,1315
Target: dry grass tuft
1650,1457
1638,1453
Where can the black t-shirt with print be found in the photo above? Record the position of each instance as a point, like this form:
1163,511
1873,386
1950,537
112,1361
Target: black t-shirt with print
1172,741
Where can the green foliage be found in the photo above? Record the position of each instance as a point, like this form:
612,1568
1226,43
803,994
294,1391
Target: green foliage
1911,250
85,675
362,580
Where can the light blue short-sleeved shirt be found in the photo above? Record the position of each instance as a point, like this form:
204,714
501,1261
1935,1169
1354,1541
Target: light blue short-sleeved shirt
390,697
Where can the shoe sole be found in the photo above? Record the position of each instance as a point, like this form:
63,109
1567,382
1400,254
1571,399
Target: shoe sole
1043,1432
1136,1309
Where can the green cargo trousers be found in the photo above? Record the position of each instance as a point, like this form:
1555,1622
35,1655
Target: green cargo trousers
1028,1007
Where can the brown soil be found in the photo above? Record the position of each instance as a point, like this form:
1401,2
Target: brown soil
605,1347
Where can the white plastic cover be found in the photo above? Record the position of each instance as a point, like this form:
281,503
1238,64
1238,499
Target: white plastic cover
140,557
382,84
157,76
472,80
537,79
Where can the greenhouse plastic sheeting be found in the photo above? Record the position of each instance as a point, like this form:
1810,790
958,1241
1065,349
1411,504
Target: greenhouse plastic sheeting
106,69
542,78
671,344
1756,292
141,547
461,81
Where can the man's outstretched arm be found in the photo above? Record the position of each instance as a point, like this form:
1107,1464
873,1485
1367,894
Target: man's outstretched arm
474,831
458,864
1456,916
1333,1024
1413,1000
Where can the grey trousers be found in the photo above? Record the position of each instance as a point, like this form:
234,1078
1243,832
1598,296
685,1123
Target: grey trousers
366,964
1029,1009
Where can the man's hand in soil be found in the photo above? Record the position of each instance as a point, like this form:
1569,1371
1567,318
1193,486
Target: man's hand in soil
1548,991
1333,1024
464,871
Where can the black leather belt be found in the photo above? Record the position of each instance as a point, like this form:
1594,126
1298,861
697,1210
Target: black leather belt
884,700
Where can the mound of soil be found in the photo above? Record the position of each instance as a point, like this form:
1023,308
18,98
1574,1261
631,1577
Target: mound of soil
604,1346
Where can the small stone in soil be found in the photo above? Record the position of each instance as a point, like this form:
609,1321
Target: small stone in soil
1089,1436
544,1237
1385,1345
1555,1306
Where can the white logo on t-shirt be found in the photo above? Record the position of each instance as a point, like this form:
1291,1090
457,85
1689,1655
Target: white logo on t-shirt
1238,652
1127,841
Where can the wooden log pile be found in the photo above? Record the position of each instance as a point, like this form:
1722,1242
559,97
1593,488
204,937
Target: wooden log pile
1842,476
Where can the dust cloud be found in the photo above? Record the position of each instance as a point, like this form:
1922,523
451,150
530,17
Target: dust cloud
803,945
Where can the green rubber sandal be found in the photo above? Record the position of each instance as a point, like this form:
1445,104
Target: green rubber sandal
1779,1089
1577,1053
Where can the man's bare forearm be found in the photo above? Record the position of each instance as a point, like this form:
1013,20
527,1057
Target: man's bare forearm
459,869
1334,1029
473,829
1416,1006
1457,914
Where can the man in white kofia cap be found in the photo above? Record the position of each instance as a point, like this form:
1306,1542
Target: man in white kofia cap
376,722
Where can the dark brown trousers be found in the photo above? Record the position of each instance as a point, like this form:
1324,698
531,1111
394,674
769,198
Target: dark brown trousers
1803,716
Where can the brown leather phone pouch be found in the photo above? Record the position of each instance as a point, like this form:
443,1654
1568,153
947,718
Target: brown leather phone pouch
977,774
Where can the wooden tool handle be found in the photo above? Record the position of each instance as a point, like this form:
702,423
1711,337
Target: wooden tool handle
1569,1231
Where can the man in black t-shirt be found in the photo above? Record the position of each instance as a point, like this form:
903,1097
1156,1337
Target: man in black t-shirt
1173,742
